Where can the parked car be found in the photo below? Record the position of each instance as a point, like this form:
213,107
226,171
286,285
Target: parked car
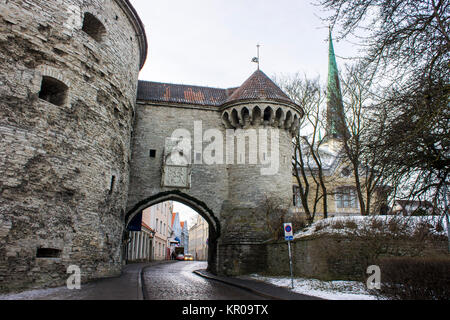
188,257
180,257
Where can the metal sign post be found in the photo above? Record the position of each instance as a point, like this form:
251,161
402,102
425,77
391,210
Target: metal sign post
289,236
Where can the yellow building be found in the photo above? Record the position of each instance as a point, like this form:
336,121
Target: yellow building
342,198
339,180
198,239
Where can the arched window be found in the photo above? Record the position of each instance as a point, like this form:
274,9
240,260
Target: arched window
267,114
93,27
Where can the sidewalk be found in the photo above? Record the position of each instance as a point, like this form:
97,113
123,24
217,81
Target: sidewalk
127,286
258,287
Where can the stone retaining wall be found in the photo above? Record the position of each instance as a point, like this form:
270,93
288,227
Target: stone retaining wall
338,258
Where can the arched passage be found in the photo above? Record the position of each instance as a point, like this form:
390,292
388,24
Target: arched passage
200,207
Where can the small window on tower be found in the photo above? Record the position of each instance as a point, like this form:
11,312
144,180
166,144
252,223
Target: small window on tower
93,27
152,153
48,253
53,91
111,187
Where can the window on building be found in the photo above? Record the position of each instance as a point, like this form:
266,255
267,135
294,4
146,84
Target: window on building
346,198
346,172
297,201
152,153
157,224
53,91
93,27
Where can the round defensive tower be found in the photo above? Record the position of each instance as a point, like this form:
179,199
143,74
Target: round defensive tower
263,120
68,82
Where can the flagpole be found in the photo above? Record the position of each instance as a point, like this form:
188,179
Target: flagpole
258,54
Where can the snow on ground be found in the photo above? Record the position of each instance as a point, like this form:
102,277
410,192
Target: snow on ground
35,294
330,290
349,225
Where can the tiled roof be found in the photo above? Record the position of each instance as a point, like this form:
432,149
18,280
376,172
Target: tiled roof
179,93
147,226
259,86
174,214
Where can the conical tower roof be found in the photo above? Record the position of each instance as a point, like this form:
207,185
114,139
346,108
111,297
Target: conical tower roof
259,87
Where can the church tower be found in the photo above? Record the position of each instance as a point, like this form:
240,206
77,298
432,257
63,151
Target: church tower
335,107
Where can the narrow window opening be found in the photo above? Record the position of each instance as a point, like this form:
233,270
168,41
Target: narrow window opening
152,153
113,181
53,91
267,114
93,27
48,253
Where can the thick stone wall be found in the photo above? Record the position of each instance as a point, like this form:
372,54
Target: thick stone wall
64,166
339,258
153,124
233,193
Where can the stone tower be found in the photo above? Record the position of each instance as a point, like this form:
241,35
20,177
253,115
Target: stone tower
68,83
265,119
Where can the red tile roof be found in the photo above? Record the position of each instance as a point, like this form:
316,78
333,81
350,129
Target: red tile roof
146,226
179,93
174,214
257,87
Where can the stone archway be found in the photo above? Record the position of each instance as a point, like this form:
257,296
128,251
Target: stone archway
199,206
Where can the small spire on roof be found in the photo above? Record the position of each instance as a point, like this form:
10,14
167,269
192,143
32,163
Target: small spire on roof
256,59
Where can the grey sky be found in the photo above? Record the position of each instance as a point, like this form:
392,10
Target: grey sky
186,213
212,42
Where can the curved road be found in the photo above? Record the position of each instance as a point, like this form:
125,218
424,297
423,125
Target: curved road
176,281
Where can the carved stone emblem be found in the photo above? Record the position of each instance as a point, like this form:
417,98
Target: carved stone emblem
176,171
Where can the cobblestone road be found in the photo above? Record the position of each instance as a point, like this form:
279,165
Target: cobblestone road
176,281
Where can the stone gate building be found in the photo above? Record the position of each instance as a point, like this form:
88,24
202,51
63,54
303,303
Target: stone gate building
85,146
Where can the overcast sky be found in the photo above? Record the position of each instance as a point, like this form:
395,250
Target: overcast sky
211,42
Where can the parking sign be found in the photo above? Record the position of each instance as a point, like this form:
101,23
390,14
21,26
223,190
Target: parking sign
288,232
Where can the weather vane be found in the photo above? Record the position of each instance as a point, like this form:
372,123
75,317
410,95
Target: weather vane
256,59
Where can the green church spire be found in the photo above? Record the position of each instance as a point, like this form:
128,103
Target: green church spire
334,96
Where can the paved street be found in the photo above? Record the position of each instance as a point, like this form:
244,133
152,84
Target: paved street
165,280
176,281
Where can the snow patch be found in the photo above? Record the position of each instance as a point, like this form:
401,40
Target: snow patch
354,225
330,290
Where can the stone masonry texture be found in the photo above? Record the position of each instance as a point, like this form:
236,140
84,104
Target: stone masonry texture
57,162
80,155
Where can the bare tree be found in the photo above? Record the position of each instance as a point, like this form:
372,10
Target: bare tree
407,44
308,167
365,124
